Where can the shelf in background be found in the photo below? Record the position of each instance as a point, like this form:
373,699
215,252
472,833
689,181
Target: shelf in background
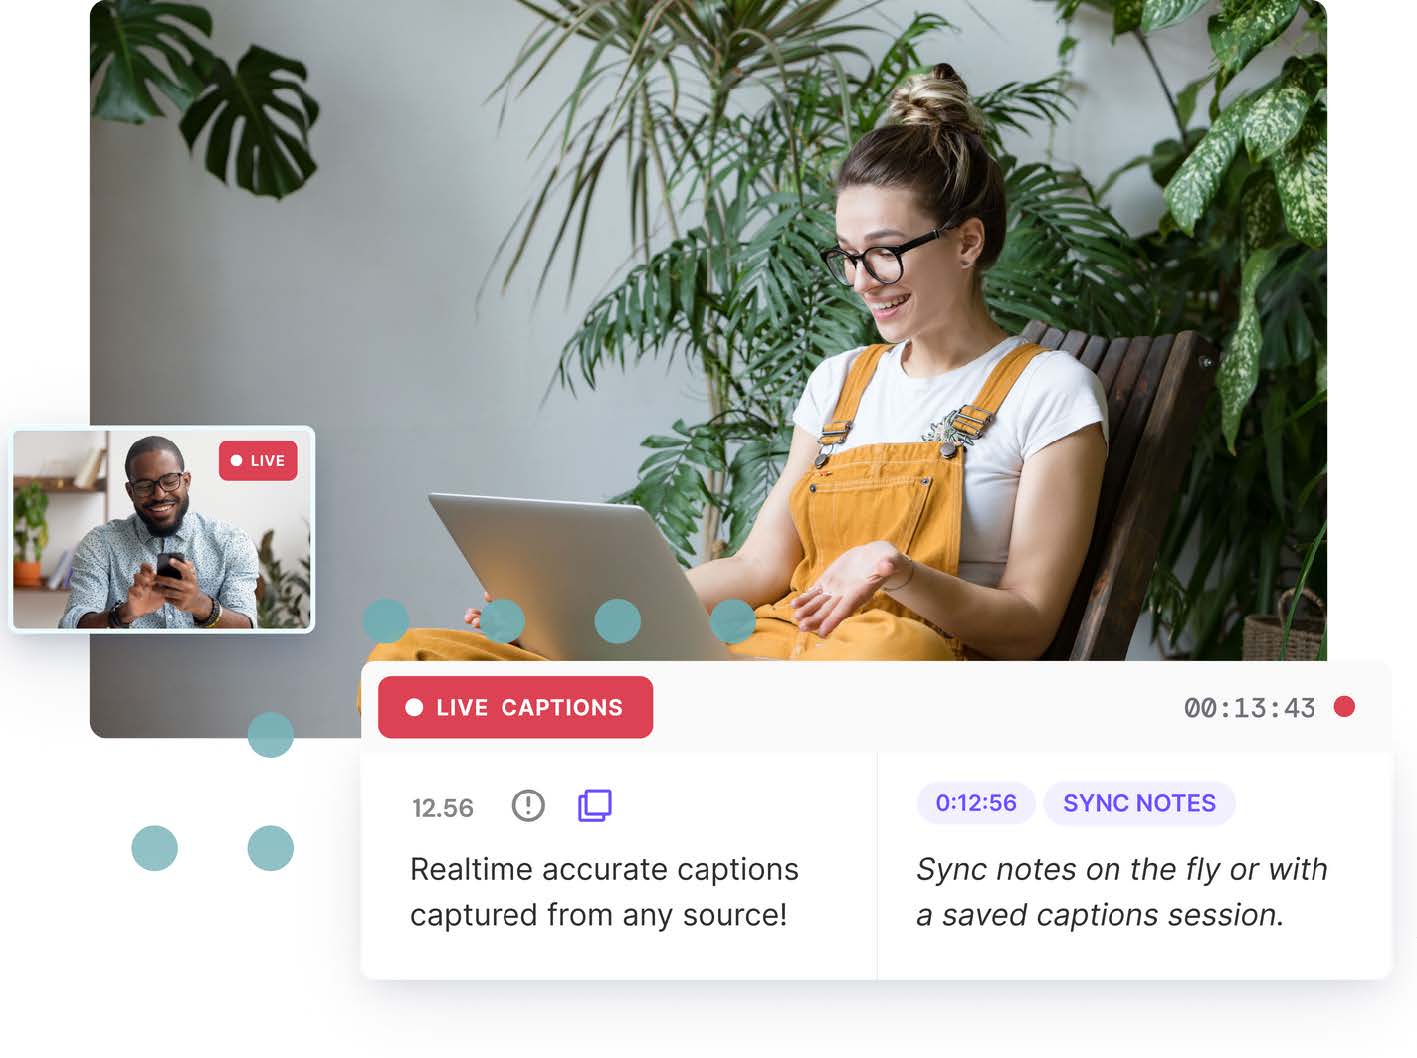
44,589
54,485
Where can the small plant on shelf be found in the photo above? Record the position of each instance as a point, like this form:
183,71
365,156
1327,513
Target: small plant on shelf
31,533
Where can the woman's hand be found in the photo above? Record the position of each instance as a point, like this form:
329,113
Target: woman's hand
474,618
847,583
474,613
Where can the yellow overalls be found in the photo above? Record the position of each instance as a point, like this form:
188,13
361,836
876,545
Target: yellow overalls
910,494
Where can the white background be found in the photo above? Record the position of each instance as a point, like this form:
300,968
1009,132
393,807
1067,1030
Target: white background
215,958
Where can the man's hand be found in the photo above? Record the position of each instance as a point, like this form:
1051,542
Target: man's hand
143,595
184,593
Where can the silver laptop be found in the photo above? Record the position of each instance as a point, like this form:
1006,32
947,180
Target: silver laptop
561,561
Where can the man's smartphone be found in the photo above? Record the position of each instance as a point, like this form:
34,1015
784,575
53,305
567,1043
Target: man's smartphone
165,567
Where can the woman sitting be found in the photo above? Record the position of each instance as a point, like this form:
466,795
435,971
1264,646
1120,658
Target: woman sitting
940,490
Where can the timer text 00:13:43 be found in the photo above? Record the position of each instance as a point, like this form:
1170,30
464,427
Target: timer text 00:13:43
1243,707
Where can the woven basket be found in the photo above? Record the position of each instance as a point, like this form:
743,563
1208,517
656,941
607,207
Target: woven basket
1264,633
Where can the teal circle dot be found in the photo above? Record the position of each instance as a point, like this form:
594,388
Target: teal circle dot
502,620
270,848
385,620
732,621
154,848
270,734
617,620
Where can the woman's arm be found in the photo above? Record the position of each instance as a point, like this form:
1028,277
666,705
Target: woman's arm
1053,516
761,570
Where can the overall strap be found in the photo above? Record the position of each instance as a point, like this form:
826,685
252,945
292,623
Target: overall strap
862,370
970,420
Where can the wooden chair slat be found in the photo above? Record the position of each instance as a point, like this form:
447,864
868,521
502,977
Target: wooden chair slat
1126,430
1034,330
1119,393
1091,356
1111,361
1133,539
1073,342
1156,389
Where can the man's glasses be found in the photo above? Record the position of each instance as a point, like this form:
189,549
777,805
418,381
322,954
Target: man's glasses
145,486
882,262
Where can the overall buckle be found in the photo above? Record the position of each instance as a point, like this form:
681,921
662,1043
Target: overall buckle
971,425
833,433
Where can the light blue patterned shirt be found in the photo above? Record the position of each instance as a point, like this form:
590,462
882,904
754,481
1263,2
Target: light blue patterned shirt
108,556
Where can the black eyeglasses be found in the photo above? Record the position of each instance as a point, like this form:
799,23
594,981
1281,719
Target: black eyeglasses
145,486
882,262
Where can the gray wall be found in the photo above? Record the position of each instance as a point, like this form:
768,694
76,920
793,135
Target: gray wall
350,307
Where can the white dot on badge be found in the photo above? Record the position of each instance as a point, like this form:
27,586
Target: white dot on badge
235,459
413,707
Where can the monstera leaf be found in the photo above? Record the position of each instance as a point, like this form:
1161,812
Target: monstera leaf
264,94
127,41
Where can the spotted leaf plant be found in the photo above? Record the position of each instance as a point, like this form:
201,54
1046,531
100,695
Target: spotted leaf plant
1281,129
1239,254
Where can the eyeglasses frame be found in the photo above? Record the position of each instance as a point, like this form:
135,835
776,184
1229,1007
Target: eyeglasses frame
859,259
156,483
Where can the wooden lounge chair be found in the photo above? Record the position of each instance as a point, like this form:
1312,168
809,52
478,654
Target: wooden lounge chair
1156,390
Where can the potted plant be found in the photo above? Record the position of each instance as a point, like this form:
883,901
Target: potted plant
31,533
282,595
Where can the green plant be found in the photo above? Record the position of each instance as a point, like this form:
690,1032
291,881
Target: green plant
31,525
1241,256
285,602
138,48
731,123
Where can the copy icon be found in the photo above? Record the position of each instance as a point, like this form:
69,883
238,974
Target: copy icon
593,806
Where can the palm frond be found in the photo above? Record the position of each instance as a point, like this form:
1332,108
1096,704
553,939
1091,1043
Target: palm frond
1067,260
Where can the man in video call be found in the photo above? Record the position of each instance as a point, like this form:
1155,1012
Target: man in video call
163,566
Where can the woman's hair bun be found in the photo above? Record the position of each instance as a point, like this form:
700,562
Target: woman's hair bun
937,98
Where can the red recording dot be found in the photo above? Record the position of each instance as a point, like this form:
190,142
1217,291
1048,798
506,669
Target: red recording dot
1344,705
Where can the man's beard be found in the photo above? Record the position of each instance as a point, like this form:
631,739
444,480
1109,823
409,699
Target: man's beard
166,530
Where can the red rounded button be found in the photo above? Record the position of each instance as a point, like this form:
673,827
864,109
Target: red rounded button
257,460
516,707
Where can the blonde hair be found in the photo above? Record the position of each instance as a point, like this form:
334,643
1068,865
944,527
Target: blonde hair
933,144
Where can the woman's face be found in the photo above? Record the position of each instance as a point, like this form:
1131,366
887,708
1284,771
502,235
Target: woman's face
936,280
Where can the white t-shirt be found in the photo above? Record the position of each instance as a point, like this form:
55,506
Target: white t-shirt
1055,396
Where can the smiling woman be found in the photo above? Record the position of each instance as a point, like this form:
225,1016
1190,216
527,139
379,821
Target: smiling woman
940,490
941,487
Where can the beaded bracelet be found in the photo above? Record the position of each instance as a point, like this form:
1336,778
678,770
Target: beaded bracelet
211,621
